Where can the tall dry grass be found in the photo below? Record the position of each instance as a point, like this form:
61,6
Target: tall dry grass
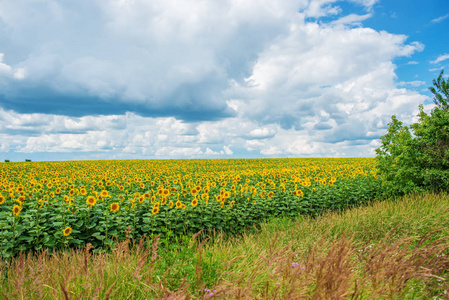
402,254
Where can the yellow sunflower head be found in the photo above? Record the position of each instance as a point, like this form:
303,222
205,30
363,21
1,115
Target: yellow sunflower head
16,210
67,231
91,200
115,207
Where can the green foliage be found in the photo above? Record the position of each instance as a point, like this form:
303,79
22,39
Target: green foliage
41,227
418,160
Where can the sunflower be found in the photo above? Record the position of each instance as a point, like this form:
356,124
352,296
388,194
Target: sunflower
83,192
164,201
67,231
2,199
194,202
104,194
141,199
178,204
16,210
232,203
171,204
115,207
155,210
298,193
21,199
91,200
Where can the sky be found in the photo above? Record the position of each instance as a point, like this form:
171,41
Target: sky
166,79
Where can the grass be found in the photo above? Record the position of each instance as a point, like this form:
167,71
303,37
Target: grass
388,250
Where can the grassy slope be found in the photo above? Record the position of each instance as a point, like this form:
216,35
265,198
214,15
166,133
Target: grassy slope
365,252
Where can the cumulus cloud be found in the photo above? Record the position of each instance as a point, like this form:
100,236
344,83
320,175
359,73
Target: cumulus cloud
351,19
199,78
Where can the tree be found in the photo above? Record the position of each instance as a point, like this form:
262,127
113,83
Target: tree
413,162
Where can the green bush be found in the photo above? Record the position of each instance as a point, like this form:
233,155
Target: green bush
416,158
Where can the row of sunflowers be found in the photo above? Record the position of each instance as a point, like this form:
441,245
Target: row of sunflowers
72,203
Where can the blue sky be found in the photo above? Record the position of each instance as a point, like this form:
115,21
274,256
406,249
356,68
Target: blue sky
126,79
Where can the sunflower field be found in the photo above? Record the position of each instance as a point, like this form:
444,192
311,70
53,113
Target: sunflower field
56,205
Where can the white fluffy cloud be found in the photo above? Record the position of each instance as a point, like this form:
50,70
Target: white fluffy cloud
198,78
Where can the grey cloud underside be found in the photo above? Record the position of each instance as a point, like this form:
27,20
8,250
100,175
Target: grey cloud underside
182,104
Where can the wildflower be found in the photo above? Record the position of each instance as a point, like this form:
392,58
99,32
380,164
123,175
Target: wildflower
16,210
115,207
67,231
91,200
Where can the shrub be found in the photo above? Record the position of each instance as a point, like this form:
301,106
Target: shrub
416,157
